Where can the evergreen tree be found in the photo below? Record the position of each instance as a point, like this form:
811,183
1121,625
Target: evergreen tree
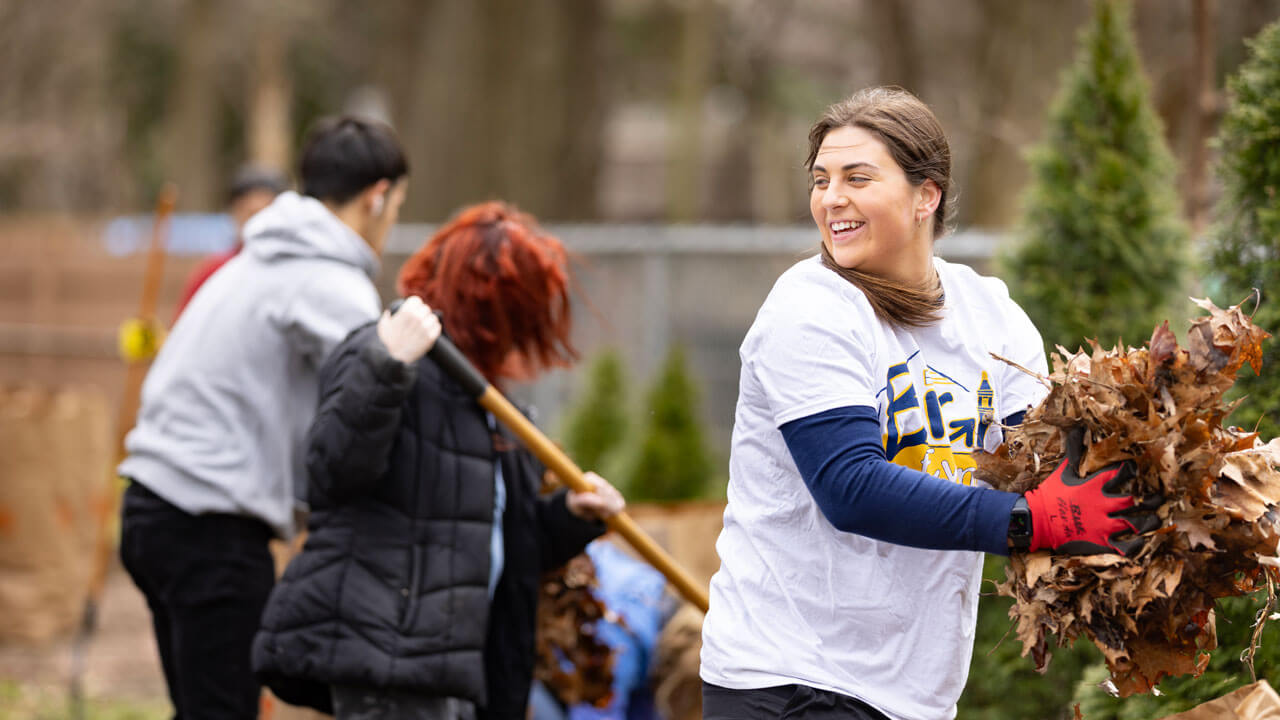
1104,251
1226,672
671,461
597,426
1103,255
1246,236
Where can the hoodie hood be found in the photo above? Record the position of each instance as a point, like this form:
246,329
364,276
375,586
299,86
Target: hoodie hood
297,226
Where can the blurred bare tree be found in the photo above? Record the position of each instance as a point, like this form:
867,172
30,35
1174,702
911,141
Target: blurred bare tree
742,188
61,144
687,110
498,98
191,117
268,118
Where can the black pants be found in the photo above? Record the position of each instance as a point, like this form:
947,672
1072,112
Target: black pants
792,702
206,579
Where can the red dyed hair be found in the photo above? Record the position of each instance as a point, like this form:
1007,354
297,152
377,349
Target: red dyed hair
502,284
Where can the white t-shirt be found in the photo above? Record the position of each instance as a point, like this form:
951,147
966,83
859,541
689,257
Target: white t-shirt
797,601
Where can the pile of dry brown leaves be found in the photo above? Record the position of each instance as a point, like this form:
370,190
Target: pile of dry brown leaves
1161,406
575,664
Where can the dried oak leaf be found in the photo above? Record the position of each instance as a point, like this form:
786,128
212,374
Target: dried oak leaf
1255,483
1232,333
1159,660
1215,489
571,660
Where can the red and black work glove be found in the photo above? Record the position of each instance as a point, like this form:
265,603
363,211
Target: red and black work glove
1091,514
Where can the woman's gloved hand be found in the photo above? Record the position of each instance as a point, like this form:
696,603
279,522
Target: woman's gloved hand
1091,514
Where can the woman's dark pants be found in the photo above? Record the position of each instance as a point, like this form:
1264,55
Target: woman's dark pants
789,702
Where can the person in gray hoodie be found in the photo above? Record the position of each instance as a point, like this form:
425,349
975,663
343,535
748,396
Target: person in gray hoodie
215,460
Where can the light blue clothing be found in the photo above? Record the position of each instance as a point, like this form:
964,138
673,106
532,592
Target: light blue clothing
543,705
634,591
497,555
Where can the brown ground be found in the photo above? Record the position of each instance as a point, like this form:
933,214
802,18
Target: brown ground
120,662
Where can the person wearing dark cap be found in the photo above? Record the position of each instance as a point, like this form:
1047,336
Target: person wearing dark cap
252,189
216,457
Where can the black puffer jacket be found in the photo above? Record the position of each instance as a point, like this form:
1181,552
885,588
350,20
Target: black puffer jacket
391,588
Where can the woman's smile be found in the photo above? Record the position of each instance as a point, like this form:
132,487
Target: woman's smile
843,231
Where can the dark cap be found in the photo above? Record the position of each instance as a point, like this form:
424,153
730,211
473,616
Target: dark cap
250,177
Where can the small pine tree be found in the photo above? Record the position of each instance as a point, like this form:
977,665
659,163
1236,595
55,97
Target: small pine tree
671,461
597,426
1246,236
1104,251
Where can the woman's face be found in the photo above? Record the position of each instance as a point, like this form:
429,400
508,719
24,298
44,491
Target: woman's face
867,210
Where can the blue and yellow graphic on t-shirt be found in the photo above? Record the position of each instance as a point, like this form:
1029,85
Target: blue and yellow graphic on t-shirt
986,407
936,434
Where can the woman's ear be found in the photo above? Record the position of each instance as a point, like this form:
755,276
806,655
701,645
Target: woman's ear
929,195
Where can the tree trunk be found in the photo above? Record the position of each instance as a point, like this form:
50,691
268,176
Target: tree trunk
776,182
1203,111
746,183
268,123
507,103
987,200
191,127
684,151
895,44
438,107
579,141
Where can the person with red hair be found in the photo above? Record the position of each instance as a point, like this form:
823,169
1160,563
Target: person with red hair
502,285
416,591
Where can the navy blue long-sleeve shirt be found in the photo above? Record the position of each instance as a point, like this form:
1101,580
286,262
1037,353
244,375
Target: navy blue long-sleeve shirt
842,460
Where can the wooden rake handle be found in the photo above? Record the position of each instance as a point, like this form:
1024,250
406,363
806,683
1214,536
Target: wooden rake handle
453,362
103,541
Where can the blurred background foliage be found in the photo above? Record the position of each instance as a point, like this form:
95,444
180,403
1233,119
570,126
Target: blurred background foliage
596,425
1103,252
695,111
665,458
1101,227
1003,685
626,110
1245,237
1235,619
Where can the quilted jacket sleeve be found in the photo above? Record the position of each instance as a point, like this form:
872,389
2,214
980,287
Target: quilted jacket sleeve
563,533
362,393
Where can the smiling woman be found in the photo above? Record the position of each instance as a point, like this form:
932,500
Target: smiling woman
880,175
853,538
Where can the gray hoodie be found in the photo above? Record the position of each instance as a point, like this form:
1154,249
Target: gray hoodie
227,403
